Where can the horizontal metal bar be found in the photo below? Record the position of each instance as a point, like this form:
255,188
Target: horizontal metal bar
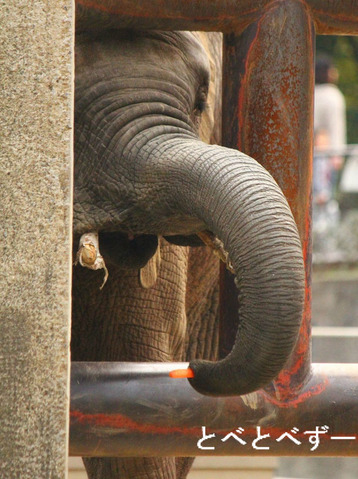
335,332
136,409
343,150
330,16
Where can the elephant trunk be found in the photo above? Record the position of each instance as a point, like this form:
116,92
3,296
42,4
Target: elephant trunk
238,200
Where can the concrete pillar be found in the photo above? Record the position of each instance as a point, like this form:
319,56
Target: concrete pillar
36,65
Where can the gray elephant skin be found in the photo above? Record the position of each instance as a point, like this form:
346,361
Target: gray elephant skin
146,182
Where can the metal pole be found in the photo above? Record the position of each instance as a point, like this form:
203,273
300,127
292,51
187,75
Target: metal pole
268,113
131,409
330,16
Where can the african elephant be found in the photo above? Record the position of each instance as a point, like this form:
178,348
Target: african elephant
144,180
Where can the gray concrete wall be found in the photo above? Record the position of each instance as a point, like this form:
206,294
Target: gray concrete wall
36,57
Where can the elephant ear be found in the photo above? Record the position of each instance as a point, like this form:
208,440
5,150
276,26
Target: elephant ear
127,253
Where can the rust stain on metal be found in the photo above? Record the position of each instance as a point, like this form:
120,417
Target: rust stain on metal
288,400
119,421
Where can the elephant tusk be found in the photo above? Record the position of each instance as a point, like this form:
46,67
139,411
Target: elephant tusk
149,273
89,256
216,245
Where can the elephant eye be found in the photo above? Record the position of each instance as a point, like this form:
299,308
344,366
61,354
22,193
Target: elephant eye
201,101
201,106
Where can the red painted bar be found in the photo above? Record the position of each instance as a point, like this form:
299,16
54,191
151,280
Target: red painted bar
267,113
131,409
228,16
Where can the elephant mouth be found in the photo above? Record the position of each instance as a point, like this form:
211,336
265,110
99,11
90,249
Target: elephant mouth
99,250
134,252
126,251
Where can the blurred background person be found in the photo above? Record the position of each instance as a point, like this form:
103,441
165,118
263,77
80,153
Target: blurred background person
329,118
329,148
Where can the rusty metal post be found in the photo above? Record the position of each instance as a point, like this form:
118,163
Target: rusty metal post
268,111
330,16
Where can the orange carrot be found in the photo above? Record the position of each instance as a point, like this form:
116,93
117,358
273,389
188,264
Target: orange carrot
182,373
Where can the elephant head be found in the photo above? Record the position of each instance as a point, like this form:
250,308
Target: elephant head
142,171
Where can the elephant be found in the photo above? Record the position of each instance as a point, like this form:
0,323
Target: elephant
148,185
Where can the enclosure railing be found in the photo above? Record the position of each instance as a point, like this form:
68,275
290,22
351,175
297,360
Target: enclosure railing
135,409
